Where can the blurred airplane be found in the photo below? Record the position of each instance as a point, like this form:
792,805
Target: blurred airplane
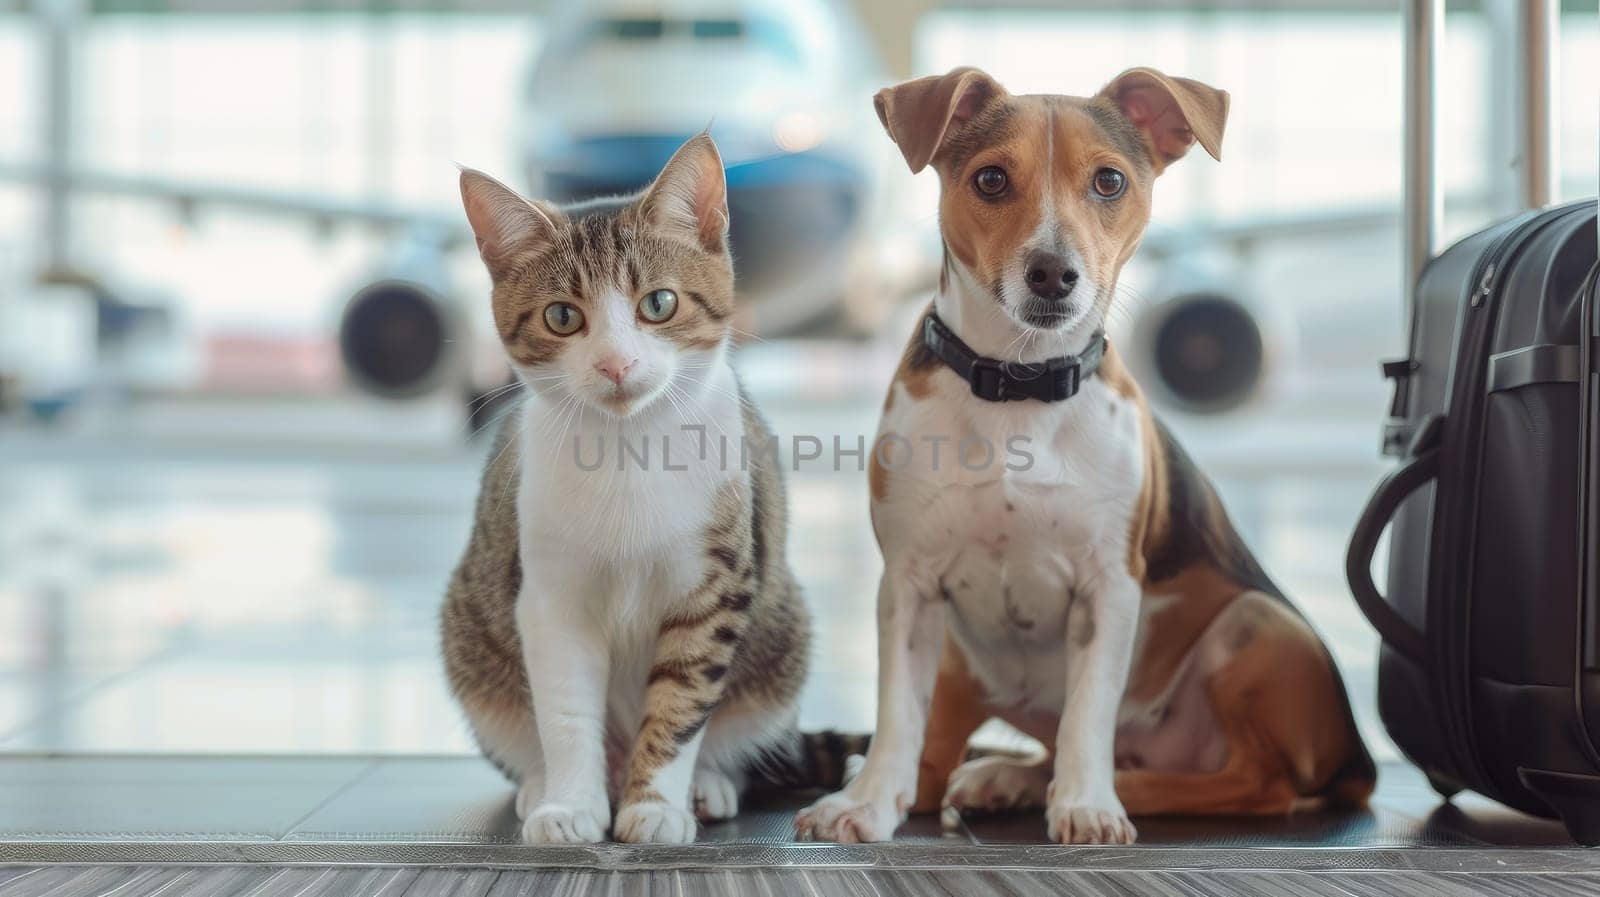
1197,336
618,85
783,86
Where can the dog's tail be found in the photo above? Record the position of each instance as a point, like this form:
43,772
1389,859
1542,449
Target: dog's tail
1349,788
809,760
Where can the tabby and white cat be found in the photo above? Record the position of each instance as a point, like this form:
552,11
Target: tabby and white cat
624,633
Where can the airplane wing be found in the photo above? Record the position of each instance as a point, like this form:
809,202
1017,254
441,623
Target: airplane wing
320,209
329,210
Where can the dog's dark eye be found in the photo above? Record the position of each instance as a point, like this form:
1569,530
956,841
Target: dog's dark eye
990,181
1109,183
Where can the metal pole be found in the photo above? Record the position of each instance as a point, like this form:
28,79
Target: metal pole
1535,86
1423,200
1501,20
58,19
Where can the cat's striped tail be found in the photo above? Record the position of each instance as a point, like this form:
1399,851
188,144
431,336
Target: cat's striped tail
809,760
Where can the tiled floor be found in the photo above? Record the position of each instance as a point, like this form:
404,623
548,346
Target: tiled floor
439,800
423,826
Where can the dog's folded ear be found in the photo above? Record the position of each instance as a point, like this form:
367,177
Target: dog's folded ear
920,114
1171,113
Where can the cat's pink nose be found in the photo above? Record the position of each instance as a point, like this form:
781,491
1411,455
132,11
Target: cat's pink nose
614,367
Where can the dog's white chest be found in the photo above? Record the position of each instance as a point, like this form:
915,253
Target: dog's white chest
1011,583
1010,551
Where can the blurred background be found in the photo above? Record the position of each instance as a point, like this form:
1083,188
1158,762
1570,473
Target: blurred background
245,340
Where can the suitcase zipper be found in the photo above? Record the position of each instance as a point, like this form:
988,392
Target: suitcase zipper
1588,649
1450,639
1472,366
1485,284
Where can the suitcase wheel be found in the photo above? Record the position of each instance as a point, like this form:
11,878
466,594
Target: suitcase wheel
1444,787
1575,798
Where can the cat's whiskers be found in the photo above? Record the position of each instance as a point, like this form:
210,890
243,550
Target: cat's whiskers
619,520
676,397
483,400
566,417
606,440
495,393
674,390
517,466
541,378
725,392
548,418
666,439
493,421
699,366
706,384
573,418
554,406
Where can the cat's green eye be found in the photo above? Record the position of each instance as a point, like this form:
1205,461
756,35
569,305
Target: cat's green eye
563,318
658,305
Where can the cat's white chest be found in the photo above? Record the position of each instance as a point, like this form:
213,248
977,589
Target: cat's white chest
616,512
629,493
624,509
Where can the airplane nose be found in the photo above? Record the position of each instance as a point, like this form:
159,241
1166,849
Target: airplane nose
614,367
1049,275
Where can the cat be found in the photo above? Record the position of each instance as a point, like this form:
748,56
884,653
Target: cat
623,628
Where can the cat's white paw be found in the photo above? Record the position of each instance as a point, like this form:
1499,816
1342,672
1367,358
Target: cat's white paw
550,823
529,794
716,796
848,819
995,784
654,822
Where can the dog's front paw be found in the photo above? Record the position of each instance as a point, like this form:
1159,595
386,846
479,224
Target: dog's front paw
716,797
654,822
848,819
553,823
1089,822
996,784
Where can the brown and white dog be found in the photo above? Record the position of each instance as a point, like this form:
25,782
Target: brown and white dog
1096,597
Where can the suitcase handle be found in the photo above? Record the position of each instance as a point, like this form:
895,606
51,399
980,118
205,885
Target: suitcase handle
1394,489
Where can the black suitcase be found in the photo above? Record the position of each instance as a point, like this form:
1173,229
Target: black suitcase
1489,671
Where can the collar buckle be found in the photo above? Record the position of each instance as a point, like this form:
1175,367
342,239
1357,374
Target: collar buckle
989,380
1066,378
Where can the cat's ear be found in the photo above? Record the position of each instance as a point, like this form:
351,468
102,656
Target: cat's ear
690,196
505,224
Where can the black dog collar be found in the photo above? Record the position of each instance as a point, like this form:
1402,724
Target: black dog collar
1052,380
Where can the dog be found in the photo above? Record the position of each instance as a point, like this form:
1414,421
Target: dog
1096,596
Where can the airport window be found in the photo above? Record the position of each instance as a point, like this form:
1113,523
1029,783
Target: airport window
717,29
635,29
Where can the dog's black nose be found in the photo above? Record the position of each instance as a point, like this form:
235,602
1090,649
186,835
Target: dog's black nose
1049,275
